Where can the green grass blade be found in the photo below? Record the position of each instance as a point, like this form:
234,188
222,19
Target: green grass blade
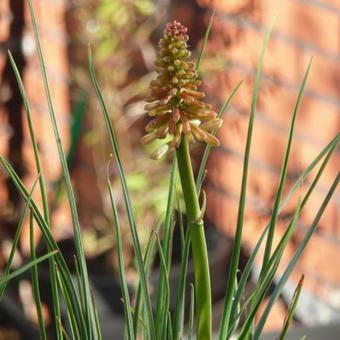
79,283
51,243
132,223
180,293
263,286
239,228
55,294
204,43
123,282
246,272
16,239
170,335
35,283
295,258
27,266
191,312
283,175
162,304
291,309
148,258
73,324
201,171
89,312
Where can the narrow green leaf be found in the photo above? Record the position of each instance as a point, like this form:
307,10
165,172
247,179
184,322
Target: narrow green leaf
55,294
90,330
330,147
180,293
191,312
283,176
16,239
291,309
35,283
132,223
163,307
148,259
27,266
295,258
224,325
162,304
205,40
64,271
263,286
122,277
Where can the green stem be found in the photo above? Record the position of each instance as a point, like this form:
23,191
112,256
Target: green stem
199,247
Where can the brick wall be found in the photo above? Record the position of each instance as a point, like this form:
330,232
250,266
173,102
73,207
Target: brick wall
18,37
303,29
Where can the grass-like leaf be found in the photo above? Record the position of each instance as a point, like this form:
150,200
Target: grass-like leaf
55,294
162,305
65,276
166,292
123,282
35,283
191,312
224,326
204,43
180,294
330,147
128,205
16,239
291,309
89,316
295,258
283,176
26,267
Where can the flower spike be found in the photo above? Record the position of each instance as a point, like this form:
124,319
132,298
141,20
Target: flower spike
174,101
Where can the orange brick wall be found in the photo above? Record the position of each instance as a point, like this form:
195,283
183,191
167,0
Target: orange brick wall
50,17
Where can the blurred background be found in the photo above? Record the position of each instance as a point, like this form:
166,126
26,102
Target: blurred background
123,35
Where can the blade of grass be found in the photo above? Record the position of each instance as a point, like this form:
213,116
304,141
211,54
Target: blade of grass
35,283
330,147
180,293
283,176
272,266
166,288
224,325
132,223
162,304
191,312
16,239
64,271
89,312
201,171
295,258
291,309
276,257
205,40
72,321
27,266
261,289
55,294
122,277
170,335
148,258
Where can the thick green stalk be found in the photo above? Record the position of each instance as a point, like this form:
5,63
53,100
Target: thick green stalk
199,247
